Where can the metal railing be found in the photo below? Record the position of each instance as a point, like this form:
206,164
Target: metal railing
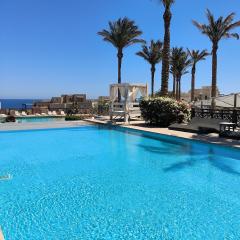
231,115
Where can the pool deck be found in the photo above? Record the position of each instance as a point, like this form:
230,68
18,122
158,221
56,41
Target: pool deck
40,125
1,235
140,125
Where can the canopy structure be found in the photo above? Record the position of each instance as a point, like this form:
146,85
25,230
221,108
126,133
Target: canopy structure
227,101
128,107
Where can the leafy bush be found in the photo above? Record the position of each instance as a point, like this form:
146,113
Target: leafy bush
164,111
10,119
103,108
73,118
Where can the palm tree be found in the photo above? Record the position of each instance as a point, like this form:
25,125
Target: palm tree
196,56
173,69
121,34
179,64
167,16
153,55
217,29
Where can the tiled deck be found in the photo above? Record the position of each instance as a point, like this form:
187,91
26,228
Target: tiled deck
40,125
209,138
1,235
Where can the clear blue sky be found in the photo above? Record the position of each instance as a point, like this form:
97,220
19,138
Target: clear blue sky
50,47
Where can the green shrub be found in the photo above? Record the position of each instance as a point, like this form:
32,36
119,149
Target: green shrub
73,118
164,111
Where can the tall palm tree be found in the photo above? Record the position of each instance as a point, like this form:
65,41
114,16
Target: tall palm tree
173,69
196,56
217,29
121,34
180,62
153,55
167,16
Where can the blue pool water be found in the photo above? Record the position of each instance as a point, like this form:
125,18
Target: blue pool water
39,119
97,183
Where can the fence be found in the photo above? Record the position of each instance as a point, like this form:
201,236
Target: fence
231,115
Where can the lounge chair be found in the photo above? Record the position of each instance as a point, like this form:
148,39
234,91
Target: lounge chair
24,113
50,113
37,114
17,114
232,131
54,113
43,114
198,125
62,113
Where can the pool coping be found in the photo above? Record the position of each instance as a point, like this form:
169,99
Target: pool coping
1,234
202,138
7,127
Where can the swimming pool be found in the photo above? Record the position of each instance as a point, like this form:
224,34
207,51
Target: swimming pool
98,183
39,119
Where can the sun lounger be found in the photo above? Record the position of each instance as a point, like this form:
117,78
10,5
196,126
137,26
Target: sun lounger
50,113
198,125
43,114
24,113
17,114
229,130
54,113
62,113
37,114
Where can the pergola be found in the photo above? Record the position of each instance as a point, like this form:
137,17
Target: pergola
128,107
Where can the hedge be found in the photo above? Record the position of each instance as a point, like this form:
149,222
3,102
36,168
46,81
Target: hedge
164,111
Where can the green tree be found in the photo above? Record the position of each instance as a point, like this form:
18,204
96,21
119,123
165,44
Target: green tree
153,55
121,34
216,30
180,62
167,16
196,56
174,58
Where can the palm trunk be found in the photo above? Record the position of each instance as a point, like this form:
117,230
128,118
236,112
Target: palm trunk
153,69
120,56
174,85
193,82
214,74
177,87
166,52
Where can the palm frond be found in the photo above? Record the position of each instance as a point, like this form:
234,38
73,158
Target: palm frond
216,29
179,61
167,3
122,33
197,55
152,53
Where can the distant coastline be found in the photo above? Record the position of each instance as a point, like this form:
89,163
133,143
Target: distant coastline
15,103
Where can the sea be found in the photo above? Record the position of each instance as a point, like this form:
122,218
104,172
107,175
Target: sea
16,103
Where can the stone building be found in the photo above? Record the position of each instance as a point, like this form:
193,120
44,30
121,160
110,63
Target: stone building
65,103
203,93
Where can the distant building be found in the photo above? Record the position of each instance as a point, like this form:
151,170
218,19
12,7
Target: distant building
203,93
103,98
64,103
